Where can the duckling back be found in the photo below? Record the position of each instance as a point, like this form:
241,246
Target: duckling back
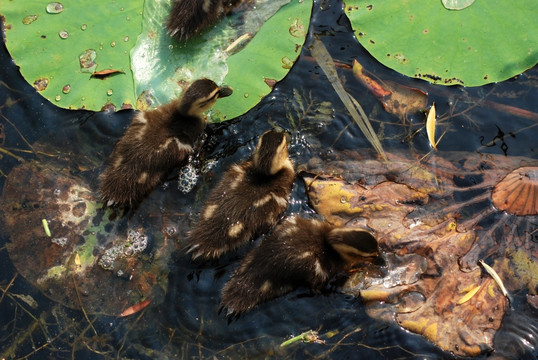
299,252
155,143
188,17
245,203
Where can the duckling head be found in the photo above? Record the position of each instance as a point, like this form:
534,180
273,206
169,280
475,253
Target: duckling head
200,96
353,245
271,153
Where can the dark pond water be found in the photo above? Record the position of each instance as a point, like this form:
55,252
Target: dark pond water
187,323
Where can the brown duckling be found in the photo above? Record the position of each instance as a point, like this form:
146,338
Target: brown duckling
156,142
299,252
247,201
188,17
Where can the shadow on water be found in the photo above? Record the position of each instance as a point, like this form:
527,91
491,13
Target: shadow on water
186,322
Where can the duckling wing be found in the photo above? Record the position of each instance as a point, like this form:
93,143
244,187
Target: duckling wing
237,210
140,161
287,259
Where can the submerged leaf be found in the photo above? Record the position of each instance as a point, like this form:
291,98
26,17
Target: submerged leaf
472,292
397,99
135,308
27,299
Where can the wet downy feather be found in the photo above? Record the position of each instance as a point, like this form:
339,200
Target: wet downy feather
155,143
299,252
246,202
188,17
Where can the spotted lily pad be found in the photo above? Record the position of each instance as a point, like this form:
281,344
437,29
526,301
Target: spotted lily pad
116,54
58,51
416,209
242,51
90,260
489,41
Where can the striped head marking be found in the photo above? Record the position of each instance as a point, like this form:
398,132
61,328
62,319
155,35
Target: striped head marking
201,95
353,244
271,153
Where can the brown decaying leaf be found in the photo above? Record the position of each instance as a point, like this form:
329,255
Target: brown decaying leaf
102,74
381,196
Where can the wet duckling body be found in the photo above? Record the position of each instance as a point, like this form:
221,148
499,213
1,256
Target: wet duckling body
155,143
247,201
299,252
189,17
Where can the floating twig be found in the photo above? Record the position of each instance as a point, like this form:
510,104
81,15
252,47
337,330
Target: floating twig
46,227
309,336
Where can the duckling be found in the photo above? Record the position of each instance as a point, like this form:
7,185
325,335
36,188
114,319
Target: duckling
156,142
188,17
299,252
247,201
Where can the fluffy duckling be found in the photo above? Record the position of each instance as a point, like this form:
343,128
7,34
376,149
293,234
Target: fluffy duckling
188,17
247,201
156,142
299,252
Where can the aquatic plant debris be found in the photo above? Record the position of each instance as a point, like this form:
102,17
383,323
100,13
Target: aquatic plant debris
446,47
309,336
411,208
135,308
397,99
46,227
69,264
325,61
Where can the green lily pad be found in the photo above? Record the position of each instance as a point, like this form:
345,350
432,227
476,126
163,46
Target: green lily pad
93,55
489,41
55,50
241,51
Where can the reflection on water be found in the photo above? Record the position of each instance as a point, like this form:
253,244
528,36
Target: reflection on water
185,323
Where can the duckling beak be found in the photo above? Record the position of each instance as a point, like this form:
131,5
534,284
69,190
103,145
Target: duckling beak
225,91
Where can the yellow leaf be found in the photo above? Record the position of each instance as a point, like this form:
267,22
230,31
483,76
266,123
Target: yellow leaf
77,260
469,295
430,127
494,275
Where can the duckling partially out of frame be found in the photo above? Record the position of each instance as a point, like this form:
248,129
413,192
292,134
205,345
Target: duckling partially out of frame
156,142
247,201
188,17
299,252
